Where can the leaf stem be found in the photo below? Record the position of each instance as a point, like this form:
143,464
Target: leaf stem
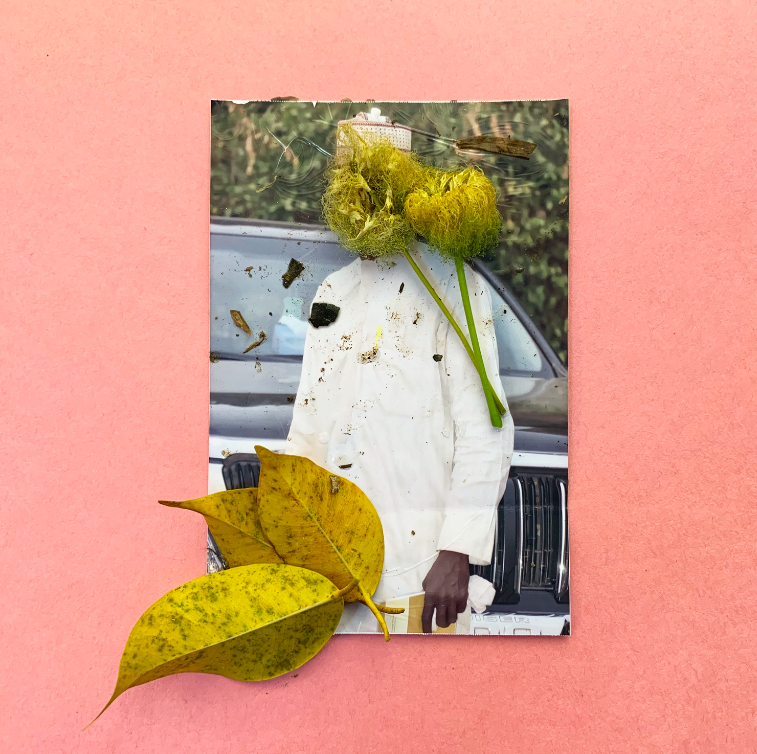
372,607
338,595
388,610
498,403
477,358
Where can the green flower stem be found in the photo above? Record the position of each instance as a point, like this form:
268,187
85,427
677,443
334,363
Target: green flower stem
484,379
477,358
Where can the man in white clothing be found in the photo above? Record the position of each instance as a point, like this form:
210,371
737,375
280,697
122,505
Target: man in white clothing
390,399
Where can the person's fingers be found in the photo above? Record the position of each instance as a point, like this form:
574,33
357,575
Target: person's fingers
462,604
447,610
452,612
428,613
442,614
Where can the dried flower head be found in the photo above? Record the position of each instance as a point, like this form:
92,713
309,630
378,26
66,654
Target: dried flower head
364,200
456,212
379,197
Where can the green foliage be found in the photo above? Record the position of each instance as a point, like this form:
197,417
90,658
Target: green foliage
265,164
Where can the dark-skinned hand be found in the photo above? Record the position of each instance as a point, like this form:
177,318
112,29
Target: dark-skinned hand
446,589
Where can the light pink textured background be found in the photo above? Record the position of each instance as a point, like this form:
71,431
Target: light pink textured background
104,142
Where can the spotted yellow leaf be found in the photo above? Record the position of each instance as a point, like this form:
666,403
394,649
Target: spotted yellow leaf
248,624
233,520
321,521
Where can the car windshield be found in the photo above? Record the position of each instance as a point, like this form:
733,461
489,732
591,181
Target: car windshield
247,272
518,351
247,277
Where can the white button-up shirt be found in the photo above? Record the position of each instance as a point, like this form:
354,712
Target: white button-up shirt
413,432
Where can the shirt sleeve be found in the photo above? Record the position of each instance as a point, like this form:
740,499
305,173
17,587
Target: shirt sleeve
482,453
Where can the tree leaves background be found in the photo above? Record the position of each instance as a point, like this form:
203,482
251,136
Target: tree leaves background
265,164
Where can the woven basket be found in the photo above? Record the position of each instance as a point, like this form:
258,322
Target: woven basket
375,125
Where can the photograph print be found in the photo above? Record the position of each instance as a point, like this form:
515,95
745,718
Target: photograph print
388,299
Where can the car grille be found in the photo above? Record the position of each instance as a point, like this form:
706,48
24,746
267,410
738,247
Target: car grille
531,539
540,532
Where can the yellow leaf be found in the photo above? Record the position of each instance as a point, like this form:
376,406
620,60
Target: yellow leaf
248,624
234,522
321,521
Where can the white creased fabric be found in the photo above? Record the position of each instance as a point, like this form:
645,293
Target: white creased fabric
481,594
413,433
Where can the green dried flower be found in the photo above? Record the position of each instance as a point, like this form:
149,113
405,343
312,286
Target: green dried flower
365,197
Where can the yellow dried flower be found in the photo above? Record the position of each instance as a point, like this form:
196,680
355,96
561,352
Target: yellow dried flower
456,212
